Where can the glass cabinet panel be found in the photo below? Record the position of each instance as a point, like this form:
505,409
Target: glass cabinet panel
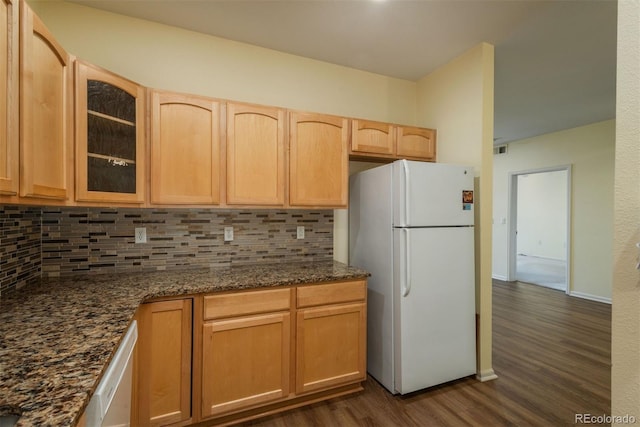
111,138
110,132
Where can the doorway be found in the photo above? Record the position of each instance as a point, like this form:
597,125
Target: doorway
540,224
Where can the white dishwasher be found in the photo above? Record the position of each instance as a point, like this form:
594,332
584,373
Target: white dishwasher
111,403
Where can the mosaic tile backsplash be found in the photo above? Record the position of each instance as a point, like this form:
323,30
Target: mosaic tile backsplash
20,246
101,240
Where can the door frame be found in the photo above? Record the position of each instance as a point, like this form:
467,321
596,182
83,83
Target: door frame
512,213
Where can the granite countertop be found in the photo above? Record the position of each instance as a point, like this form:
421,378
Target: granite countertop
58,335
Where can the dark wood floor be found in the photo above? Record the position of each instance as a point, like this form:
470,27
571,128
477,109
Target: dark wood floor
551,353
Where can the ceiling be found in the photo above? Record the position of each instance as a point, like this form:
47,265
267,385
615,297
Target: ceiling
555,61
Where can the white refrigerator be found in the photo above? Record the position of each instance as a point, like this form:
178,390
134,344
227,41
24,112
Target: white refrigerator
411,227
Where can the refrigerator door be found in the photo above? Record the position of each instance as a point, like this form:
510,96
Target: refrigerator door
432,194
434,306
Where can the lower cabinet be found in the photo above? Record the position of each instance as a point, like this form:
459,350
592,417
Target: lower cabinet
331,335
246,349
330,346
253,352
163,364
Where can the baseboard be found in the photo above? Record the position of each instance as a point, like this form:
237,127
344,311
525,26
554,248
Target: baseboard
499,277
590,297
486,375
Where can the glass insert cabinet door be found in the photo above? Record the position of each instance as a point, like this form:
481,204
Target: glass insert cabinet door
110,160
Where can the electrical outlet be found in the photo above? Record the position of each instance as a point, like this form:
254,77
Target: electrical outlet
300,232
141,235
228,234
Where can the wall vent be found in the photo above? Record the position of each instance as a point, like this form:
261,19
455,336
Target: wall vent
500,149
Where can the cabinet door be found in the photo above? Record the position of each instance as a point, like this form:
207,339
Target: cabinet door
372,137
110,144
45,111
185,149
245,362
164,363
255,155
9,97
318,163
418,143
330,346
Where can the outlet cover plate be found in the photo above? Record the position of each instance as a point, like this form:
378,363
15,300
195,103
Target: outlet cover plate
228,234
141,235
300,232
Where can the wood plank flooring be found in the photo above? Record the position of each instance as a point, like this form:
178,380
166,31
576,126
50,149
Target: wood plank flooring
551,353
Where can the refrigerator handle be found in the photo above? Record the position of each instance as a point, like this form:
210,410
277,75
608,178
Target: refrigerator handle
407,264
405,189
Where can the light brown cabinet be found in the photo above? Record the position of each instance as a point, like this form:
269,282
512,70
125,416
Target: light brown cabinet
268,350
318,160
246,357
387,142
9,80
331,336
110,137
185,149
45,112
163,363
416,143
372,138
255,155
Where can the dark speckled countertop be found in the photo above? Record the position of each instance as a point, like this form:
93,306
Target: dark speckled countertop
57,336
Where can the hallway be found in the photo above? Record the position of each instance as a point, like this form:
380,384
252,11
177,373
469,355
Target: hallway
550,273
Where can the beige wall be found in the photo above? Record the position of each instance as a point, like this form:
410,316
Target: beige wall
625,372
165,57
457,100
590,151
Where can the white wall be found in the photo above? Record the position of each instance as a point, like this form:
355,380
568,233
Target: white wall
590,151
542,215
625,348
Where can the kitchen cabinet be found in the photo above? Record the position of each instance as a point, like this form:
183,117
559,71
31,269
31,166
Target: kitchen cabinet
185,149
163,363
45,112
372,138
9,97
416,143
331,335
255,155
110,137
386,142
318,160
246,350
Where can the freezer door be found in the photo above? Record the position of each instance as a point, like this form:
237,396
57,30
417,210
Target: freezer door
432,194
434,306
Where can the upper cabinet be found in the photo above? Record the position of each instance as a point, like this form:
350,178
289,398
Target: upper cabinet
110,142
318,160
376,140
9,97
185,149
416,143
45,111
255,155
369,137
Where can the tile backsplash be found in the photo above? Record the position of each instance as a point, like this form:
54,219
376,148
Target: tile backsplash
66,241
101,240
20,246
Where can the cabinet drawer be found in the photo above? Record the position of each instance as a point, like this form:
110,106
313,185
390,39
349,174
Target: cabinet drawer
331,293
243,303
